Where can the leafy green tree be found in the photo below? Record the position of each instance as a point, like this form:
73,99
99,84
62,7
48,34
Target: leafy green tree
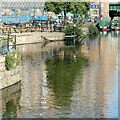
49,6
56,7
73,7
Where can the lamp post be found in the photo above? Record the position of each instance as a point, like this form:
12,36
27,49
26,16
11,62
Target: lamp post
64,16
99,8
74,32
74,15
65,10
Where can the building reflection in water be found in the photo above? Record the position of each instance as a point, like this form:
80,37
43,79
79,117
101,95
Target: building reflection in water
103,74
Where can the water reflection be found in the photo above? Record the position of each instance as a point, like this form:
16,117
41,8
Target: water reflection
10,97
61,74
10,110
103,71
54,85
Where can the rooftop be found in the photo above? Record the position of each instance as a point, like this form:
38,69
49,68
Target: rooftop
22,5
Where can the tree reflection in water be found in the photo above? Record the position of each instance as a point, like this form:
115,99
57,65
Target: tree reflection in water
62,72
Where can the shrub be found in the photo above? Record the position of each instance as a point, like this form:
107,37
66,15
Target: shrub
17,57
93,36
12,59
9,61
92,29
69,30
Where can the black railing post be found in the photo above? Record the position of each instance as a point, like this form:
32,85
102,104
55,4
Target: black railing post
15,42
8,42
21,28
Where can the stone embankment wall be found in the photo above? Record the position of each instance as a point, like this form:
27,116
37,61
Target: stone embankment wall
2,63
37,37
11,77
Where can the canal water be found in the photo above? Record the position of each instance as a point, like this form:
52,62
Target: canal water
67,81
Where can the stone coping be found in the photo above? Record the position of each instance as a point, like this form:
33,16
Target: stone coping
8,78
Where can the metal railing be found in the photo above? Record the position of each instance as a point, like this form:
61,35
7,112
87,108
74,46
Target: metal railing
7,43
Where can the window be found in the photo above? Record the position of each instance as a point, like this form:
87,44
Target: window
95,12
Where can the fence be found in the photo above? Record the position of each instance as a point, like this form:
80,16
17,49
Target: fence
7,43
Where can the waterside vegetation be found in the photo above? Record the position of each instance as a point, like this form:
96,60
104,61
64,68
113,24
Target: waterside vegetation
12,60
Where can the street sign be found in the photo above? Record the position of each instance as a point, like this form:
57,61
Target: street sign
95,6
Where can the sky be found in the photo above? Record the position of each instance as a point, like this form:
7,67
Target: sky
56,0
114,0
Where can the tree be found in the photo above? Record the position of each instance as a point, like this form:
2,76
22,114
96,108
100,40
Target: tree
73,7
56,7
49,6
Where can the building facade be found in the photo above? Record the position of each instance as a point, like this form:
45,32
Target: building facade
21,8
20,11
99,7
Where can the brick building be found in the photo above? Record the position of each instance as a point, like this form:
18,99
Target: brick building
99,7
